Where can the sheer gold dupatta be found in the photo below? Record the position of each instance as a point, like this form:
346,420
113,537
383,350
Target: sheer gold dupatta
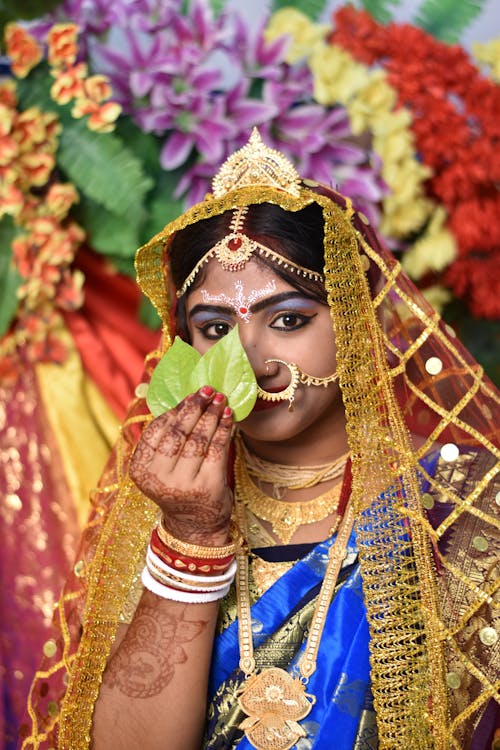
424,605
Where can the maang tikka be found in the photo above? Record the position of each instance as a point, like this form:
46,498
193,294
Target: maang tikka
243,168
235,249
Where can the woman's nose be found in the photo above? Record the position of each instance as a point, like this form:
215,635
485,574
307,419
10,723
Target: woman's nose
256,355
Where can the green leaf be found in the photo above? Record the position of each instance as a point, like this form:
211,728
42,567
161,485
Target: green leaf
480,336
311,8
380,10
145,144
226,368
447,19
10,279
15,11
170,381
103,168
183,371
148,314
34,91
107,232
218,6
162,206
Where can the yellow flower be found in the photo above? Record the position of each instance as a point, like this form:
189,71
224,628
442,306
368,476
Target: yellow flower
432,252
400,218
60,198
304,34
337,77
374,99
489,53
438,296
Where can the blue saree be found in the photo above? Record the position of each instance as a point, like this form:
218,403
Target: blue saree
343,711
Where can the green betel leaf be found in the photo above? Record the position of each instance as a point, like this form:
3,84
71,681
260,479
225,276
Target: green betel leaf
226,368
183,371
170,381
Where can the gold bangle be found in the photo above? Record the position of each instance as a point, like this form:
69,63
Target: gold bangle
195,550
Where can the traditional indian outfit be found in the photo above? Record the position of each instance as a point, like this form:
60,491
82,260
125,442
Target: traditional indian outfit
408,656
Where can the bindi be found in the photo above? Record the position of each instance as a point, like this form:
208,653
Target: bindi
240,303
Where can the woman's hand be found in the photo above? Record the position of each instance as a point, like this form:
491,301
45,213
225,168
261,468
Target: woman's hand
180,462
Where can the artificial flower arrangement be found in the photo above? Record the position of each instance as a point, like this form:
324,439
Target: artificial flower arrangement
117,114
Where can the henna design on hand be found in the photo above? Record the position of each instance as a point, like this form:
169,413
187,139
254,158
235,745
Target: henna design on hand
145,662
171,444
195,446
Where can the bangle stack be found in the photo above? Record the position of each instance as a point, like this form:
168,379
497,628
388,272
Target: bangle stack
184,572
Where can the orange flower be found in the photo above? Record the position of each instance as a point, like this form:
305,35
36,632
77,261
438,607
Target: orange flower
62,44
52,129
11,200
60,198
102,117
35,168
97,88
22,254
23,50
29,129
70,290
8,145
68,84
8,94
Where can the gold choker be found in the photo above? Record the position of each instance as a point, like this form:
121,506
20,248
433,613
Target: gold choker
285,517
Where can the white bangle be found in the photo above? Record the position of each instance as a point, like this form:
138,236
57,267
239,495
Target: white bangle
188,597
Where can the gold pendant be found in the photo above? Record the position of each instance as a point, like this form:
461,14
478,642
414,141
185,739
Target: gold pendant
274,702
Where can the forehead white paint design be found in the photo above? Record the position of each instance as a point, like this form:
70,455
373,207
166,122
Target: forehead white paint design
240,303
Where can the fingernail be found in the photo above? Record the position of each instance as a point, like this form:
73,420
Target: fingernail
227,412
218,398
207,391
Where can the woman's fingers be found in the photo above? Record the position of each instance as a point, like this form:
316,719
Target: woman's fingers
164,437
175,434
218,448
196,446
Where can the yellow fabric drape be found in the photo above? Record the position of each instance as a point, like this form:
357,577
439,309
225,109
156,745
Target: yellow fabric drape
83,425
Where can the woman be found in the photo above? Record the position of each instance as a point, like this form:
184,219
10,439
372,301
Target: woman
357,498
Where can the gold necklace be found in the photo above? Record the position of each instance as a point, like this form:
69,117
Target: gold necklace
285,477
284,517
272,699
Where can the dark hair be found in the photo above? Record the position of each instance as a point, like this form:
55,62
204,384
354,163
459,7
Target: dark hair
297,235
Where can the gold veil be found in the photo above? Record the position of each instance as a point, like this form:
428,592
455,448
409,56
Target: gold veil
428,562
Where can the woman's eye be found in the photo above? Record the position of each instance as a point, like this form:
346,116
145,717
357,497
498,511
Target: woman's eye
215,330
290,321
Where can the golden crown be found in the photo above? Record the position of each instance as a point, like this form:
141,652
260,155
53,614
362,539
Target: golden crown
256,164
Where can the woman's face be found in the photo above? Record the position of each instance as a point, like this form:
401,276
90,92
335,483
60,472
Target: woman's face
275,321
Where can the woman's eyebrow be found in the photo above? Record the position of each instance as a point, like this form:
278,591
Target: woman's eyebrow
275,299
213,309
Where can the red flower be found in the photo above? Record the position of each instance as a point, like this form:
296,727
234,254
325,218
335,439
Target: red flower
477,280
456,122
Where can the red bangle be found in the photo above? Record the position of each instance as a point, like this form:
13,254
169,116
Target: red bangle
204,566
